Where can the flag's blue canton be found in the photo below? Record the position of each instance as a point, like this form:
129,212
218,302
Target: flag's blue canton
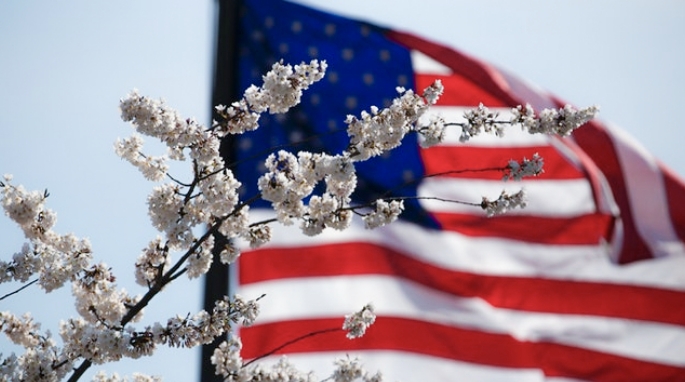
364,69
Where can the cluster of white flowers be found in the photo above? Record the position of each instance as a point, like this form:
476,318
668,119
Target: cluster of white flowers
356,324
199,261
551,121
351,369
55,258
527,167
384,213
42,354
100,343
382,130
480,120
22,331
282,89
277,95
152,263
560,122
290,179
131,149
229,364
175,208
505,202
97,298
226,359
433,131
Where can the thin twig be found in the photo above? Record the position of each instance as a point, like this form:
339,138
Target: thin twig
288,343
19,290
387,193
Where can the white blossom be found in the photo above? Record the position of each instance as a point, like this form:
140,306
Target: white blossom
283,85
199,262
527,167
347,369
384,213
480,120
321,207
21,331
164,205
152,262
351,369
38,361
27,209
229,364
505,202
247,310
236,224
283,182
55,258
379,131
433,92
281,90
97,298
156,119
219,193
433,132
524,115
356,324
258,235
226,359
229,254
552,121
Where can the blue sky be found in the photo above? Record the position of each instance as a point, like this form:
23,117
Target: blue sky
65,64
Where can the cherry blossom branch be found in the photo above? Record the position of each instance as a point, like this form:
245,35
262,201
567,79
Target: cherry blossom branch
102,332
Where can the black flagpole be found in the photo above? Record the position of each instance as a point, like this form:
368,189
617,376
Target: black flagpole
224,92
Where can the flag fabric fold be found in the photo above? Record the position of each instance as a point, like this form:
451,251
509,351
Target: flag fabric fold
586,283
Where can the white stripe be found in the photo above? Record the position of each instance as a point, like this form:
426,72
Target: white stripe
495,256
401,366
647,194
556,198
569,149
527,91
513,135
424,64
393,297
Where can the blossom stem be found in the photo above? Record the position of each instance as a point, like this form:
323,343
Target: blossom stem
288,343
462,124
19,290
80,370
451,172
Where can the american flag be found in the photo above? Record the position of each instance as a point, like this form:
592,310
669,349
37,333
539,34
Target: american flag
586,283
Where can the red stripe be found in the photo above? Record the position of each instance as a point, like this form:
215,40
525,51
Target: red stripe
459,90
443,159
597,143
578,230
518,293
675,194
477,72
459,344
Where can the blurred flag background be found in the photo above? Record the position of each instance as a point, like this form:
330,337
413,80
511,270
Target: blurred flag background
586,283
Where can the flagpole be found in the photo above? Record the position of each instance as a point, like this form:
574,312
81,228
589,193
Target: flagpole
224,91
